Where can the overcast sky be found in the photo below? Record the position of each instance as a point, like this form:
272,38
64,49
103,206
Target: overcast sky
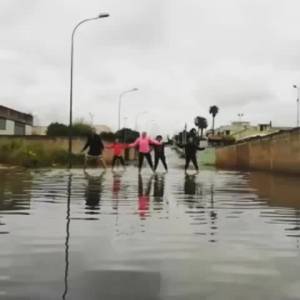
241,55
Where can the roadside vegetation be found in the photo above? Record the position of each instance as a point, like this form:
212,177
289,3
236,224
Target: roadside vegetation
32,153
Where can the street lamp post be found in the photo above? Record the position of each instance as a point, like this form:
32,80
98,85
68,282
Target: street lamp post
102,15
298,96
120,101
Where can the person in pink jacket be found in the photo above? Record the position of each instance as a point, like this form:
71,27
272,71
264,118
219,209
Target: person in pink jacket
143,144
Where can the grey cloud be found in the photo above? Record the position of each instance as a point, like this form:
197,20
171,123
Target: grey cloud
183,55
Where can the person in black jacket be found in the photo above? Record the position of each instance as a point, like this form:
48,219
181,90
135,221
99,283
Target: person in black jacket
159,153
190,149
95,148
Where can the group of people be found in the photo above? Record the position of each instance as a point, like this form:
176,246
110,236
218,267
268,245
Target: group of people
144,145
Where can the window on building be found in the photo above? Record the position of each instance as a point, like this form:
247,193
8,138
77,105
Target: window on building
19,128
227,132
263,127
2,124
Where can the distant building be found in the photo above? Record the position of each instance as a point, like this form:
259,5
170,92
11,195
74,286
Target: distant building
241,130
39,130
13,122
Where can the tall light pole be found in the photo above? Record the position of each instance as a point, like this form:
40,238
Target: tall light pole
100,16
298,93
120,101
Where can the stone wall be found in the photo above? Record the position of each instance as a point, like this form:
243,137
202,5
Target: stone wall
278,152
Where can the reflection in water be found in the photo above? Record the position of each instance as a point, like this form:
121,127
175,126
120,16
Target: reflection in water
276,189
15,190
118,285
116,186
279,191
190,184
144,197
93,192
159,187
158,191
253,217
15,194
213,216
68,220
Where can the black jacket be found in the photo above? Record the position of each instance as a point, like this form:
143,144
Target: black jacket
95,145
190,149
159,151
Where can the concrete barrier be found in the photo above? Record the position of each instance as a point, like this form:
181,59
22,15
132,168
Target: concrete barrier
279,152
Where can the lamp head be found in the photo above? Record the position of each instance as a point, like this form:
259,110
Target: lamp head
103,15
295,86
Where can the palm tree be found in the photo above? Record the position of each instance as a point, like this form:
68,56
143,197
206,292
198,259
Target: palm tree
201,123
213,110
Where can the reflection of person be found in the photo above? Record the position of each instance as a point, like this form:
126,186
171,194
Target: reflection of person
159,153
189,185
159,187
118,149
93,190
190,149
143,197
95,148
116,187
143,143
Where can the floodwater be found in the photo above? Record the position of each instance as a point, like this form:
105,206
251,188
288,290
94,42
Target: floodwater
217,235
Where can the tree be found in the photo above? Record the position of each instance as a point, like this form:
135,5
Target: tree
78,129
127,135
213,110
57,129
107,136
82,129
201,123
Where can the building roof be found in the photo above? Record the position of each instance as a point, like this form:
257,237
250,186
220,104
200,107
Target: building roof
14,115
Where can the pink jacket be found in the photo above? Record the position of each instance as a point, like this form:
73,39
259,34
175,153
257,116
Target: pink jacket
144,144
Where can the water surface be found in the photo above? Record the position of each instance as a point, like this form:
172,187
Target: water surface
216,235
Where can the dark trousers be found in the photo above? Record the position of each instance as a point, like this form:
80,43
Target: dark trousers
163,160
192,158
119,158
148,157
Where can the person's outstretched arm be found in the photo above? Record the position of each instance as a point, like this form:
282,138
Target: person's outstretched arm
154,142
101,145
86,145
134,144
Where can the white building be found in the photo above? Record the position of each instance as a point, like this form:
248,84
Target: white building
13,122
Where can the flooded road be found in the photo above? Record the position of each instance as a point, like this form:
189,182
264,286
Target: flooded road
216,235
